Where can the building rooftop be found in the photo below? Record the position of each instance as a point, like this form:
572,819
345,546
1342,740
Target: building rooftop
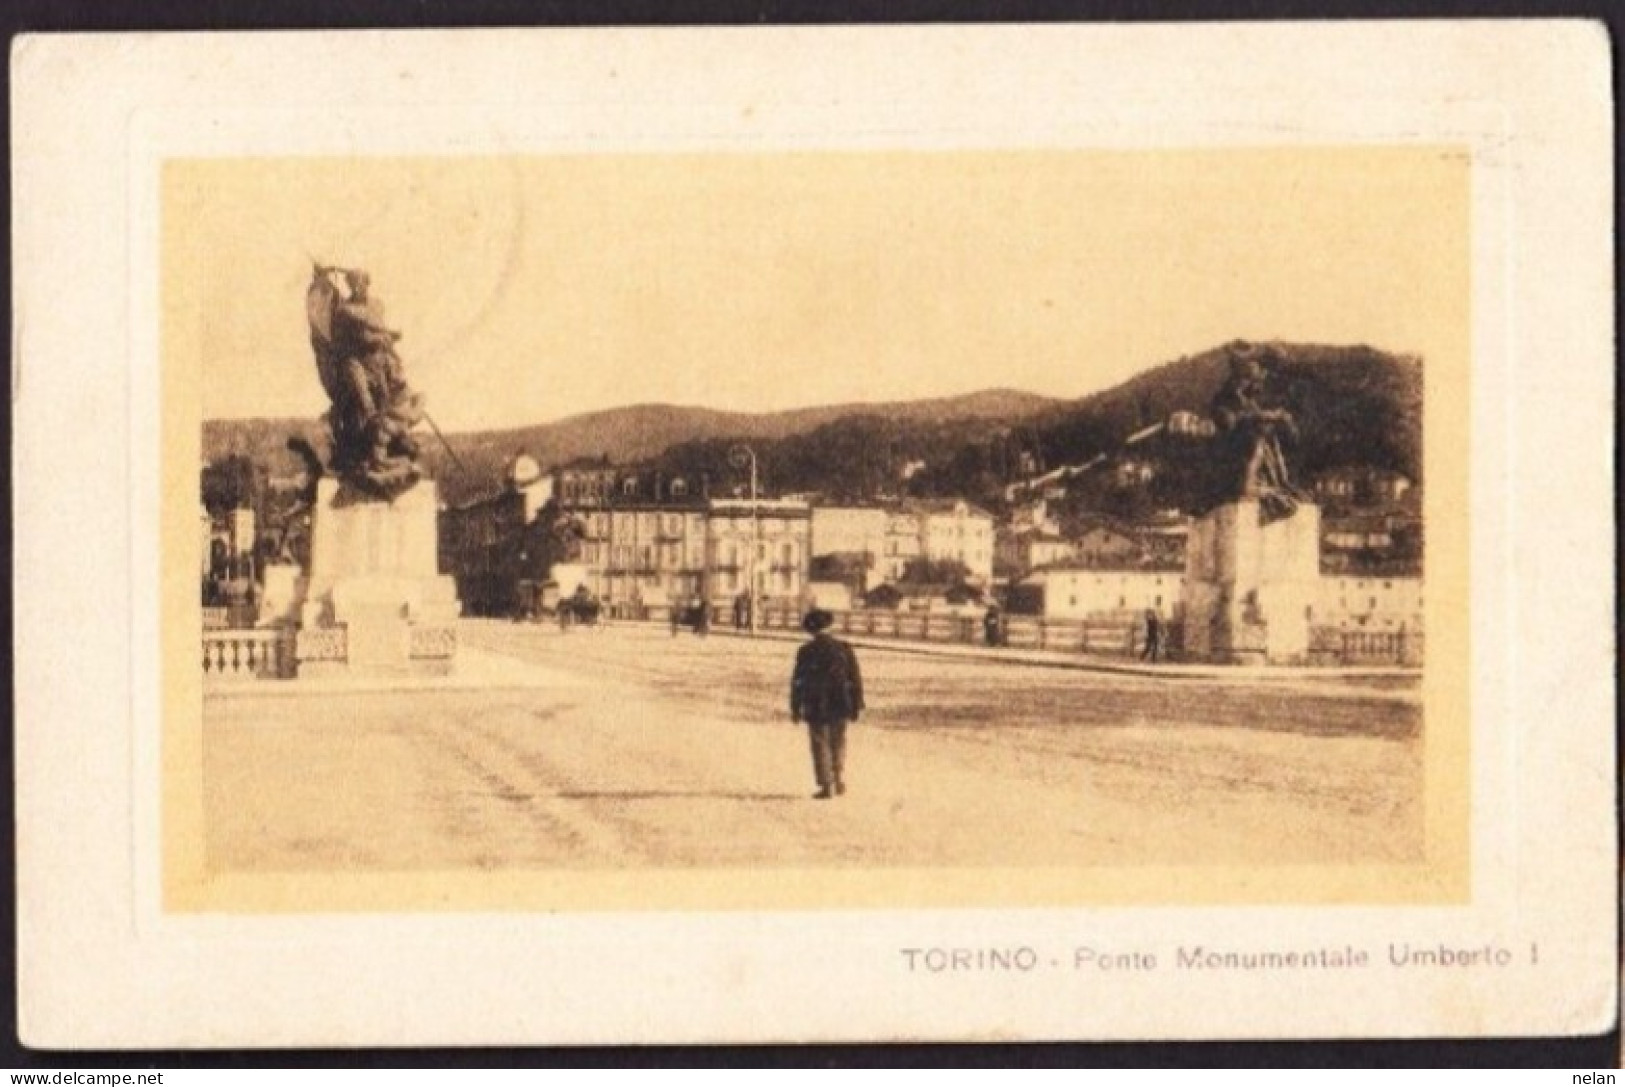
943,505
771,505
1147,566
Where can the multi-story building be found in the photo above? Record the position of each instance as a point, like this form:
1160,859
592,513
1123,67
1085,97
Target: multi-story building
853,538
585,482
1078,591
953,529
635,538
1103,542
1358,532
643,534
902,544
1367,601
939,530
492,544
1018,551
1361,487
848,529
1162,538
1034,514
645,553
482,549
651,540
768,541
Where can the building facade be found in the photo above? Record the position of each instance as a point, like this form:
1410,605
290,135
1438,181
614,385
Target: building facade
584,483
1361,487
767,543
489,546
848,530
1373,602
954,530
851,542
902,544
1073,591
643,553
1020,551
1101,542
641,541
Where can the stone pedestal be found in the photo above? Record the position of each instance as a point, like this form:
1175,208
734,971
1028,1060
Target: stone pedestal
375,600
283,595
1250,588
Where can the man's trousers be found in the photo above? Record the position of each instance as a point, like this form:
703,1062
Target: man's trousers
828,740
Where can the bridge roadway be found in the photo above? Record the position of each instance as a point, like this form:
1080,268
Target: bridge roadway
627,747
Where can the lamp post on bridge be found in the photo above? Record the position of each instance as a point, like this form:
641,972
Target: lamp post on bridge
739,455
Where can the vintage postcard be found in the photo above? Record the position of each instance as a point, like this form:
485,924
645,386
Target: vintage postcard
801,536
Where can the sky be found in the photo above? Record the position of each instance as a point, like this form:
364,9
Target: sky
533,288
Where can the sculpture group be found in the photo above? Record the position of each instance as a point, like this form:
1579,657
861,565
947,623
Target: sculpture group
1252,556
372,409
1252,431
372,598
1244,432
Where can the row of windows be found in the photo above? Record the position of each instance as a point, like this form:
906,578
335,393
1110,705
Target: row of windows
727,553
677,488
1372,602
722,581
1122,601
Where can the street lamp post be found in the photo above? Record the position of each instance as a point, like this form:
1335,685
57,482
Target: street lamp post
738,454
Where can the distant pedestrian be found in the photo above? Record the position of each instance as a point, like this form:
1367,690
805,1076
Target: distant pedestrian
993,626
1153,636
826,691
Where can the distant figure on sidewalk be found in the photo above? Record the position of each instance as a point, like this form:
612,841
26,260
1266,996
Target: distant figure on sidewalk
993,626
1153,637
826,691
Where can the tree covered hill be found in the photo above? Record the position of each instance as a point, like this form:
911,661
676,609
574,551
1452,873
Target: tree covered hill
631,435
1356,405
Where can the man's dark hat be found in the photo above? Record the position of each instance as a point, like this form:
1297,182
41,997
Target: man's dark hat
816,620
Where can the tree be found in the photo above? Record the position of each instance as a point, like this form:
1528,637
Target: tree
552,537
849,568
231,482
926,571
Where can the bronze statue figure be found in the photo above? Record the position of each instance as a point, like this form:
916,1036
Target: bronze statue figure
1250,432
373,410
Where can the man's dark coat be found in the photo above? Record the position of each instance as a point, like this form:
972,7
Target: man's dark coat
826,685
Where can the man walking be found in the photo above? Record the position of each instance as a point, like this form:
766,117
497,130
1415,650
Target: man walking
826,691
1153,636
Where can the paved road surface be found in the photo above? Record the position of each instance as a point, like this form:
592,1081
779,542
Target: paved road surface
631,748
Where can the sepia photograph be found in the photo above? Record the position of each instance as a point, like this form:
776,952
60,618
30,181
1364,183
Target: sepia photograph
1058,510
739,536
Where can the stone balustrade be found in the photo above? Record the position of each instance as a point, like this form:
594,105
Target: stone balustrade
1340,645
1120,637
1123,637
247,654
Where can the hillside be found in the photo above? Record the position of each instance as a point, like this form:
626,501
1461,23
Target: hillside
626,435
1356,406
